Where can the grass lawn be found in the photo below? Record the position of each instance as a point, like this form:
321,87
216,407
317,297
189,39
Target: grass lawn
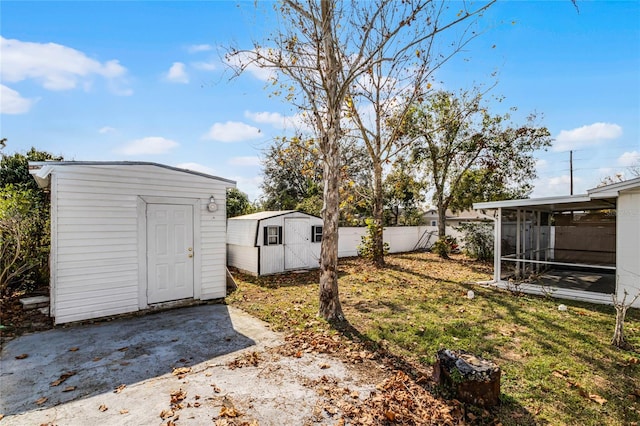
558,367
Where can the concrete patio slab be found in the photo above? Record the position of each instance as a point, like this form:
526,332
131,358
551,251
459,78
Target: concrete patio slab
138,355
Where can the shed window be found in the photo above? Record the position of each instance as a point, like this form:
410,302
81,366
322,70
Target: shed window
316,234
272,235
434,223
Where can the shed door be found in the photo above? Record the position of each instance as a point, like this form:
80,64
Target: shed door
169,252
297,233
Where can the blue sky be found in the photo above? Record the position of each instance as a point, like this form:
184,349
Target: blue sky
146,81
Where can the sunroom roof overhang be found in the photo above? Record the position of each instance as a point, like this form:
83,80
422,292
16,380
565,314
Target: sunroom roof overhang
552,204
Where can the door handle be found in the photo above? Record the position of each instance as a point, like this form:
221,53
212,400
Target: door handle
190,254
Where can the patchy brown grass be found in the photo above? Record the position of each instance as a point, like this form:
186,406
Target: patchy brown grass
558,367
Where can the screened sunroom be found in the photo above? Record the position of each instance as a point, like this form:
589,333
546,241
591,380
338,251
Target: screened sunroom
584,247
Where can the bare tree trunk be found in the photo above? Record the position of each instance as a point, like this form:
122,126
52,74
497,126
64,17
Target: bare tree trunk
442,220
618,333
378,243
330,308
621,311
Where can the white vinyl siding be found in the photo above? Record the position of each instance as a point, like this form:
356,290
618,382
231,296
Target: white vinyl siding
246,248
244,258
96,233
628,245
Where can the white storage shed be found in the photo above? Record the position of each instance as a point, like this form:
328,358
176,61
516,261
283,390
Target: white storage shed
584,247
129,236
272,242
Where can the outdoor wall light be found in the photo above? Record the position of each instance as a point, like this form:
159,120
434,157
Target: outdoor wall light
212,206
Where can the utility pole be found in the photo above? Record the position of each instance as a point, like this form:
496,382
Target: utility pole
571,170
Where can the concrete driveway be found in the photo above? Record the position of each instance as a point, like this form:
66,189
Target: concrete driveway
122,372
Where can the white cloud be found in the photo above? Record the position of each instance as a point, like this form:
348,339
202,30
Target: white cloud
197,167
278,120
245,161
177,73
107,129
249,185
205,66
605,171
12,103
232,131
629,159
150,145
195,48
557,186
541,164
56,67
586,136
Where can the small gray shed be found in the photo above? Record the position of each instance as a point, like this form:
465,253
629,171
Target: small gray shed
273,242
128,236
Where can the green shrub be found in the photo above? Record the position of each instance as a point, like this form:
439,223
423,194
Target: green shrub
367,248
478,240
24,239
445,246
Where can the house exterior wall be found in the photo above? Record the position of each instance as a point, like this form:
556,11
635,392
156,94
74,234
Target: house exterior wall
628,245
98,264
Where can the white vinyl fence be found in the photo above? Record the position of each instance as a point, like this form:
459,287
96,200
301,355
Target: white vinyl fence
400,238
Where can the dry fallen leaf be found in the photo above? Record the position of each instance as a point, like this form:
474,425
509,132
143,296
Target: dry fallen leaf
324,366
390,415
228,411
62,378
177,396
22,356
120,388
126,348
69,389
592,396
216,389
634,360
166,413
103,408
41,400
74,349
124,411
96,359
181,372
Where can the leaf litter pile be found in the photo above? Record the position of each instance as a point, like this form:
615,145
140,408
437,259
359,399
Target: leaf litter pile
398,399
405,312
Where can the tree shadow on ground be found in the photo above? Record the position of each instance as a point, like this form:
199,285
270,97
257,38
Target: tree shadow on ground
422,375
95,358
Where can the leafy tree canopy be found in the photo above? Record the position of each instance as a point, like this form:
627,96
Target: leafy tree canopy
460,144
238,203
